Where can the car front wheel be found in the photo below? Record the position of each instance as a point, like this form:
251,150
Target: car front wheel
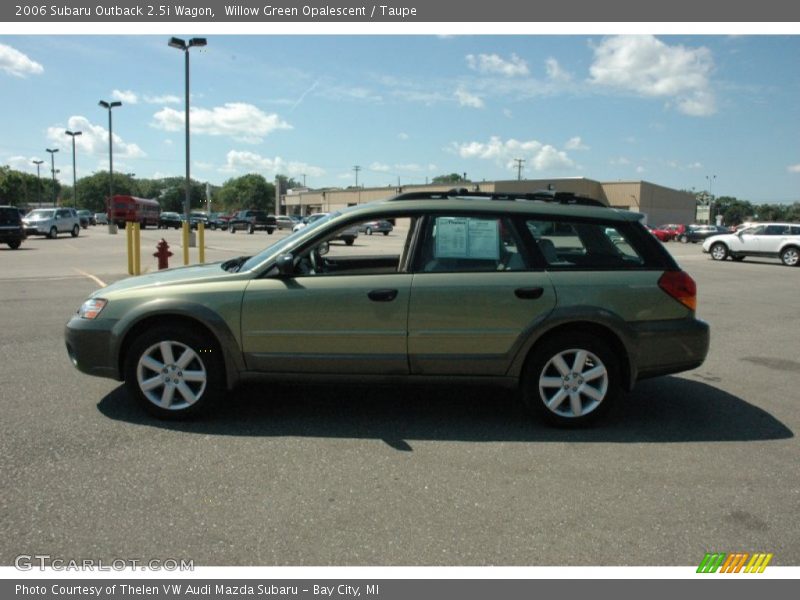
790,256
719,251
174,372
53,233
75,231
571,380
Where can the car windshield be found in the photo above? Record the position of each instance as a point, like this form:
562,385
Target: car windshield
286,242
41,214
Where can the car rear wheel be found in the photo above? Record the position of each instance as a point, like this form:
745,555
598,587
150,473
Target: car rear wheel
683,239
719,251
368,231
571,380
14,245
251,230
174,372
53,233
790,256
75,231
385,233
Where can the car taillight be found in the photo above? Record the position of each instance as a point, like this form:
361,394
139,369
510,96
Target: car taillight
680,286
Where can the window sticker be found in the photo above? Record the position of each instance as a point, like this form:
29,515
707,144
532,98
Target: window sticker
458,237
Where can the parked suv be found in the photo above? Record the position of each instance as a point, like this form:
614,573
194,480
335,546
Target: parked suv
568,302
52,221
768,240
251,221
698,233
12,232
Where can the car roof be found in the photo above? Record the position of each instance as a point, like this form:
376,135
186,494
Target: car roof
389,207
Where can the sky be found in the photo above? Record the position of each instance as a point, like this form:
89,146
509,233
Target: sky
718,113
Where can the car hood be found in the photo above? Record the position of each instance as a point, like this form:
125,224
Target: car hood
205,273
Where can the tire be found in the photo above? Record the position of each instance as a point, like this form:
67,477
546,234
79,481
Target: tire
368,231
385,233
683,239
571,380
790,256
14,245
53,233
75,231
251,230
349,241
718,251
232,229
159,382
269,231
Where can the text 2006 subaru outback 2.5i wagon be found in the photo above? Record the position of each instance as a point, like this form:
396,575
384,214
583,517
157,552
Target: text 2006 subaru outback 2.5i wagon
567,300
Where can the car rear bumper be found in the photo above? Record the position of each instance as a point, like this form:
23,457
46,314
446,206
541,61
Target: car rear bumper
670,346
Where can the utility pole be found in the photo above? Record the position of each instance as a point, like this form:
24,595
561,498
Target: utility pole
53,172
356,169
519,162
39,177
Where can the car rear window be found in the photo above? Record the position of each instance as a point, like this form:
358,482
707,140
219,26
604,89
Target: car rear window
577,245
9,216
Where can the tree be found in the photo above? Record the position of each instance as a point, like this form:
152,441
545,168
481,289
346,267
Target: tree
452,178
247,191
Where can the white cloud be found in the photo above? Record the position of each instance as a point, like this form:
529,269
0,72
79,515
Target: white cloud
496,65
645,65
466,99
239,120
555,72
125,96
376,166
166,99
92,141
402,136
575,143
540,157
793,168
238,161
15,63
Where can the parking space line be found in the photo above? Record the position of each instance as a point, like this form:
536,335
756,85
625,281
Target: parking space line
97,280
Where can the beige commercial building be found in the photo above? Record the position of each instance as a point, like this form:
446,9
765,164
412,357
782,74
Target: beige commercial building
660,204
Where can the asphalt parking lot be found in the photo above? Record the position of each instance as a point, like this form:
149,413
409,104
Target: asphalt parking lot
357,475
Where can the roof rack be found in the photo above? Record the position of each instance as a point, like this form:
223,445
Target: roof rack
537,196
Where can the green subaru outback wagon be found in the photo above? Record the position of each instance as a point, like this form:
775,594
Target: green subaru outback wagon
566,299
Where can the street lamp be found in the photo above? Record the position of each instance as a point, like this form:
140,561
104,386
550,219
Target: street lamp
73,134
52,152
109,106
710,179
39,177
184,46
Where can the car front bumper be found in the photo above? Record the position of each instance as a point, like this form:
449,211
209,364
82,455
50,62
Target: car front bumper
89,346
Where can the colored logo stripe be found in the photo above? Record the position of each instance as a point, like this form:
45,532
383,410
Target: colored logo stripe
734,563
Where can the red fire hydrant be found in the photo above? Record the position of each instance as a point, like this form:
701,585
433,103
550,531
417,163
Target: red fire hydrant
162,254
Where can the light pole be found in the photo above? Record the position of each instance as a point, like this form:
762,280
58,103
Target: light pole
108,106
73,134
52,152
39,177
710,179
184,46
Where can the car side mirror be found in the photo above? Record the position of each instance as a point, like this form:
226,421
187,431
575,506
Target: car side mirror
323,248
285,264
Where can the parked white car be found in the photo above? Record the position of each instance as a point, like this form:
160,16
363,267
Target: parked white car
768,240
52,221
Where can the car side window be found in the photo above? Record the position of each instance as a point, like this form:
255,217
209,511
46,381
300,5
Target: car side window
465,243
578,245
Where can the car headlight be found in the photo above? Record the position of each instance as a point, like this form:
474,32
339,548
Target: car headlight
91,308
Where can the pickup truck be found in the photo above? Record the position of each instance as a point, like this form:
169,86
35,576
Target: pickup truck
252,220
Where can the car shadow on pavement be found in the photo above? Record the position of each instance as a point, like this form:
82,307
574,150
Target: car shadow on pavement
664,410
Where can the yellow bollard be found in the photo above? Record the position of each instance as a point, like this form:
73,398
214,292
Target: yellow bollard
186,243
201,241
137,250
129,243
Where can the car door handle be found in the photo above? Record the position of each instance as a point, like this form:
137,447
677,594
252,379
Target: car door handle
530,293
382,295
